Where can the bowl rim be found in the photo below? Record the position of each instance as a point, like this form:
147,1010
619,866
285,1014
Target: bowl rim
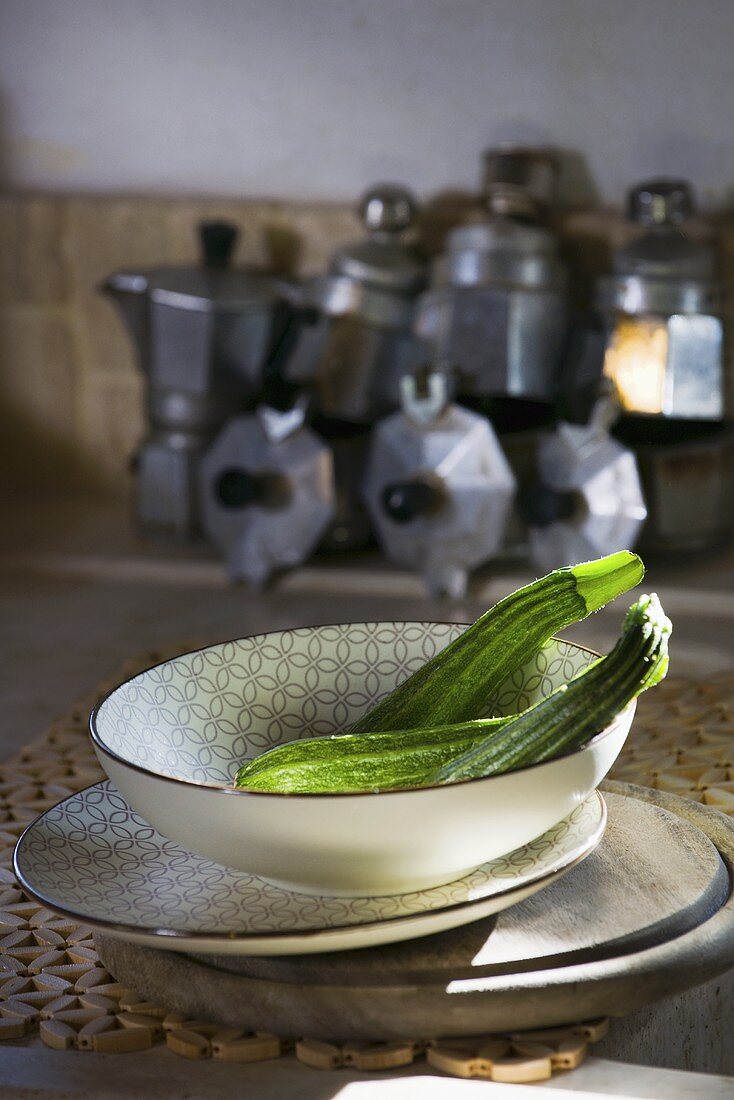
99,743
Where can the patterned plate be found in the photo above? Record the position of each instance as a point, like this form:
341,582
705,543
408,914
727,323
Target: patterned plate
94,859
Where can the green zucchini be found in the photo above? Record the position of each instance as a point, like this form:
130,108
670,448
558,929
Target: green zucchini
456,684
564,721
577,711
372,761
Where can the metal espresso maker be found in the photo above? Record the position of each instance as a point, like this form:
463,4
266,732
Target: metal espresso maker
361,346
438,486
661,309
497,303
202,334
496,310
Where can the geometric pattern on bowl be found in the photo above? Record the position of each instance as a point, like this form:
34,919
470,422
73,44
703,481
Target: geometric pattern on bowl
199,716
93,857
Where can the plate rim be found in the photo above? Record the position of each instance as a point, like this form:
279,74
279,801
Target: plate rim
170,934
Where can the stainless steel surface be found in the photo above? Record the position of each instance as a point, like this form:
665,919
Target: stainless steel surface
641,294
660,201
364,343
695,357
165,471
498,251
360,367
520,181
496,307
438,487
267,493
664,277
387,208
201,334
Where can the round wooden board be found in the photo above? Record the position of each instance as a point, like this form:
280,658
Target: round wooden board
650,913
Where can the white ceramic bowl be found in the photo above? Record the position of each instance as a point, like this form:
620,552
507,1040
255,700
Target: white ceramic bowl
173,737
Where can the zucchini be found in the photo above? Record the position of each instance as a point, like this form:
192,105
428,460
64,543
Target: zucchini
577,711
564,721
455,685
373,761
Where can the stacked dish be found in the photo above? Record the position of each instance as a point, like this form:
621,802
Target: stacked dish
170,854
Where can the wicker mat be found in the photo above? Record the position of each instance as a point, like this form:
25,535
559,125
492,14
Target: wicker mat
52,984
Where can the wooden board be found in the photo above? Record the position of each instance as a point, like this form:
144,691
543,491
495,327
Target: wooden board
617,901
648,914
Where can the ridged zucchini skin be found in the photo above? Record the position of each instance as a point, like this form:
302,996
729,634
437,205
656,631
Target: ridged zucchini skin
564,721
454,686
574,713
359,762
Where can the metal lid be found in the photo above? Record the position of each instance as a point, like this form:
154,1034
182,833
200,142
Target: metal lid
211,286
386,210
637,294
210,291
502,235
663,252
660,202
520,181
498,251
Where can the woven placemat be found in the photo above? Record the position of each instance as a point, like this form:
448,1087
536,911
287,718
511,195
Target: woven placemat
52,983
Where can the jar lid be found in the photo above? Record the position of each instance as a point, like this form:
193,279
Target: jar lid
385,210
212,285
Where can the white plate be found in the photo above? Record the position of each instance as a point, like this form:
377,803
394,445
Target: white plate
93,858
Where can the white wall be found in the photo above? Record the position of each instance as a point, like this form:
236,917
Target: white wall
316,98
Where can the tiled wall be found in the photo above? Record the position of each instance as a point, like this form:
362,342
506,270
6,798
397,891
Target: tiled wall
70,390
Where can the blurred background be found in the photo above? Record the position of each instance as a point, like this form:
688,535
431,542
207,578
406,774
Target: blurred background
316,311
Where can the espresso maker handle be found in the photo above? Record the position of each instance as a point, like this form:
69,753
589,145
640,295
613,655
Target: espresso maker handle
217,240
288,322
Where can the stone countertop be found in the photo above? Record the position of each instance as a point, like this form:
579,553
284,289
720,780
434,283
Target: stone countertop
80,593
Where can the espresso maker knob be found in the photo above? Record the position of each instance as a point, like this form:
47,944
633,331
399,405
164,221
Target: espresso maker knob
405,501
660,202
217,241
387,209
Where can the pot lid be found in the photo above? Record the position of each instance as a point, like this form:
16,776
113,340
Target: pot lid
210,291
500,234
520,181
664,251
385,210
212,285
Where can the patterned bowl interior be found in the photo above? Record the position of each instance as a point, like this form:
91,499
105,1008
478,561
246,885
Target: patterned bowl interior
199,716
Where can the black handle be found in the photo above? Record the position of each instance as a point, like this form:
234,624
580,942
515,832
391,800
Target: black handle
288,321
238,488
407,500
582,367
217,243
541,505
